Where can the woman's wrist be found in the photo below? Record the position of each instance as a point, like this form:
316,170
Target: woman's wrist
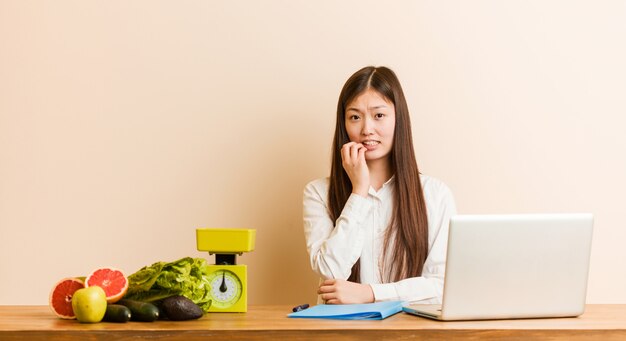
361,189
361,192
371,298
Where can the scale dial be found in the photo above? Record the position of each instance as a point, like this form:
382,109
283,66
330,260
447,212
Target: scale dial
226,288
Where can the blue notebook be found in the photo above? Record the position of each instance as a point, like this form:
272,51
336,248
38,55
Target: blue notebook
367,311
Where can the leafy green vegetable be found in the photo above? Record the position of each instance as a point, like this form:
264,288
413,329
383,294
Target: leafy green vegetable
186,277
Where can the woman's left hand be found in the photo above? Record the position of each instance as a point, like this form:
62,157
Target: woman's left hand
339,291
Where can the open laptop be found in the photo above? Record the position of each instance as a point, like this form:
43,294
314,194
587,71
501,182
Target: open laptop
514,266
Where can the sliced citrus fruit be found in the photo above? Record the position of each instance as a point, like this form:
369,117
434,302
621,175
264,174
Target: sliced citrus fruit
61,297
113,281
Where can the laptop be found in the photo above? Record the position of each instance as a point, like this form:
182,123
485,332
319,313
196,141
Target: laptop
514,266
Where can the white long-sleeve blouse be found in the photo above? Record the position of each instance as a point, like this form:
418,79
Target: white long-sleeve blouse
359,232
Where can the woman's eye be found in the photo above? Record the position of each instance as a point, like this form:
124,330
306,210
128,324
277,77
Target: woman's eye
379,115
353,117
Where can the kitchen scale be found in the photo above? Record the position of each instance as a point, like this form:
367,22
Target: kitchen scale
229,280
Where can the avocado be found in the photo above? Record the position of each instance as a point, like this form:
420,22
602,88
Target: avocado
180,308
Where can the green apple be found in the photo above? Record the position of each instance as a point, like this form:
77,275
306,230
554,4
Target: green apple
89,304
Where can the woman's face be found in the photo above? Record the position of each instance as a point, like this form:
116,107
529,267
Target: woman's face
370,120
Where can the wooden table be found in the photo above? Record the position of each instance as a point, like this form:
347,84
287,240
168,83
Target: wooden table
606,322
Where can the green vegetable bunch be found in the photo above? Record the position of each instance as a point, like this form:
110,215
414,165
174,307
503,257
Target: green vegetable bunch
186,277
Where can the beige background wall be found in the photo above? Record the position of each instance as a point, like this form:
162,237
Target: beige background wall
125,125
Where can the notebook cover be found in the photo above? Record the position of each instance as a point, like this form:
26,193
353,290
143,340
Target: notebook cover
367,311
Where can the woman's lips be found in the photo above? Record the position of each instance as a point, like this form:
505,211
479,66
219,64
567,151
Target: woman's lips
370,145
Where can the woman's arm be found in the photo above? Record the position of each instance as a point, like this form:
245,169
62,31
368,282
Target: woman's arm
333,246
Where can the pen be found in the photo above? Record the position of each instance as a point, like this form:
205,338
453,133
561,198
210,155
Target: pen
300,307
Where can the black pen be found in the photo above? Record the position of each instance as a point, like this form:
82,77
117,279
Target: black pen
300,307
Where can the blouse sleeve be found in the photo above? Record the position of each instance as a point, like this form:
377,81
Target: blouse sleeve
428,288
333,246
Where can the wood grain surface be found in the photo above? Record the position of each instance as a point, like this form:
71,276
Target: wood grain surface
606,322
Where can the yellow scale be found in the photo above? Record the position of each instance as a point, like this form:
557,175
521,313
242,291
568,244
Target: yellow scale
229,280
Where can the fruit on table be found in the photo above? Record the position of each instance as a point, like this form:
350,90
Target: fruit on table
141,311
61,297
113,281
117,313
180,308
89,304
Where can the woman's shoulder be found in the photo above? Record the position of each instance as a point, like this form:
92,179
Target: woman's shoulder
321,182
319,186
438,196
433,187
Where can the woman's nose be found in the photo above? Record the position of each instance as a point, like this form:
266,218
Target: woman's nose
368,127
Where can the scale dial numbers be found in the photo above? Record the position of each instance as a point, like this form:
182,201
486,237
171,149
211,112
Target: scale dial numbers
226,288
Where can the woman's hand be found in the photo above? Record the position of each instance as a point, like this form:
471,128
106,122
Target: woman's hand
339,291
353,161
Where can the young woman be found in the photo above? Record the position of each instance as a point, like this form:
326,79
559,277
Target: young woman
376,230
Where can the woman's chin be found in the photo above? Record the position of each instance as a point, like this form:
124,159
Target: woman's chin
375,156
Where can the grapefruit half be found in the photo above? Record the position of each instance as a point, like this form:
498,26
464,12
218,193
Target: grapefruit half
61,297
113,281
